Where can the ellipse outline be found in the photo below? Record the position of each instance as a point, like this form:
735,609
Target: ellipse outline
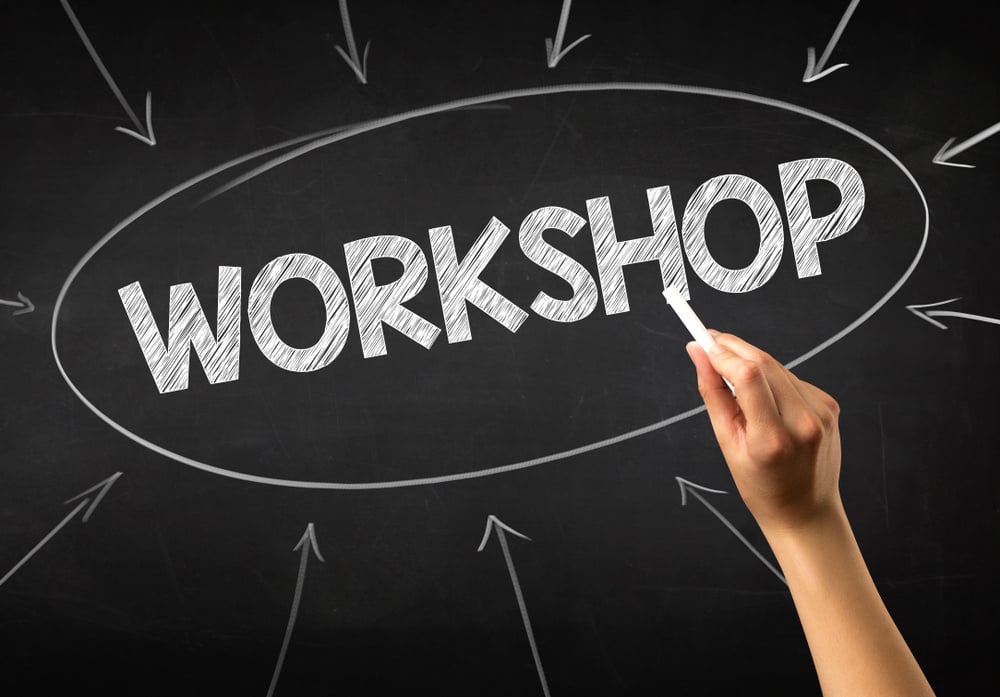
319,140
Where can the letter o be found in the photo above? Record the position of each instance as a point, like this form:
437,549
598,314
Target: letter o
772,236
338,313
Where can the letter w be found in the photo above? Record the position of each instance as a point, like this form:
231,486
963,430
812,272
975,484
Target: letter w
220,357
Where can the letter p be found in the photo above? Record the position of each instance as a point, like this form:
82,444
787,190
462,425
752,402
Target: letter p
807,231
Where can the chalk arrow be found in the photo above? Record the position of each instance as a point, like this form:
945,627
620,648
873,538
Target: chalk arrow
87,499
360,67
949,151
306,542
553,49
501,528
693,489
144,134
22,302
927,315
817,69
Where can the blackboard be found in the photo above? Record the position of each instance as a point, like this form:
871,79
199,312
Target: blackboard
308,523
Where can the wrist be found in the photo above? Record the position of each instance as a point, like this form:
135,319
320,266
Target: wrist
821,532
820,554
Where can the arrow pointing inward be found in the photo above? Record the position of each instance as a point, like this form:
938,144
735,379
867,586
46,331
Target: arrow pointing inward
88,499
693,489
360,67
306,542
144,134
554,51
22,302
817,69
949,151
926,315
494,523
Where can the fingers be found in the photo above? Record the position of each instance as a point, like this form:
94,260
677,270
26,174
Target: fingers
786,395
723,410
825,405
753,393
804,408
770,400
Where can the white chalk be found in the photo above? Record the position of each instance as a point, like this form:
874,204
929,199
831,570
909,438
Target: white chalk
693,324
689,318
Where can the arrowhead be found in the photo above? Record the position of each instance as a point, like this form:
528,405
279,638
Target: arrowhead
28,306
943,155
493,522
138,136
360,71
685,485
147,136
309,536
364,64
815,72
926,316
101,488
553,56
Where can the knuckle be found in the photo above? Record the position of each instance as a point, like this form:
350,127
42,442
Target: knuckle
775,447
747,351
831,414
810,428
829,411
828,419
764,358
833,405
747,372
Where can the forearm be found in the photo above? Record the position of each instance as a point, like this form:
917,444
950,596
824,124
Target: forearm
856,647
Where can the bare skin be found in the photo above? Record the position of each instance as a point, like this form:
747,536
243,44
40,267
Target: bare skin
781,439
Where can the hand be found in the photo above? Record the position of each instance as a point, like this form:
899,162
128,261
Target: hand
779,435
781,440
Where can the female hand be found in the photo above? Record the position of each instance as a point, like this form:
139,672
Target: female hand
779,435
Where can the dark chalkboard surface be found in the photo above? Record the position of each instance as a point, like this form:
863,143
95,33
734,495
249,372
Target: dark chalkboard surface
389,372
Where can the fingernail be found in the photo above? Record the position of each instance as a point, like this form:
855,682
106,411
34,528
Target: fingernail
716,349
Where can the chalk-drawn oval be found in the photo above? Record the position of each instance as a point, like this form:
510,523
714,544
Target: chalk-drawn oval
301,146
